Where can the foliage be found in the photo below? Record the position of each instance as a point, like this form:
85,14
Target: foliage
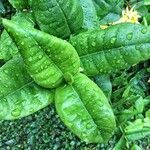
39,66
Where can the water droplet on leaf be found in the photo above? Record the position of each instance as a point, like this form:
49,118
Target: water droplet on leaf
40,56
93,43
30,59
144,30
113,40
16,112
129,36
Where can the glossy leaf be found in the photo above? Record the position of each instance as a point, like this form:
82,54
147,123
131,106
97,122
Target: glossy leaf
120,144
19,95
19,4
90,15
112,49
48,59
58,17
7,47
85,110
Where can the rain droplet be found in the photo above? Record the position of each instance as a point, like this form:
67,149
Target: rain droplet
6,71
138,47
42,67
144,30
118,61
113,40
40,56
16,112
31,110
52,73
93,43
129,36
100,103
88,126
30,59
22,43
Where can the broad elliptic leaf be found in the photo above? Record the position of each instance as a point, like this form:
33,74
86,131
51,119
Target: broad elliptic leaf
20,4
58,17
19,95
48,59
7,47
112,49
85,110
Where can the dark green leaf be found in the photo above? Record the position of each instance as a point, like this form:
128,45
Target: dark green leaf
107,7
19,4
58,17
103,81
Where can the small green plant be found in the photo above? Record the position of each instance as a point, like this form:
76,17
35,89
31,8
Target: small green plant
55,52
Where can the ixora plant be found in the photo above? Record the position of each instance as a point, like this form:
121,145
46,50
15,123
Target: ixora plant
52,49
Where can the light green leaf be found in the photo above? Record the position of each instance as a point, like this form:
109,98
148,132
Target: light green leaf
138,129
85,110
19,95
7,47
48,59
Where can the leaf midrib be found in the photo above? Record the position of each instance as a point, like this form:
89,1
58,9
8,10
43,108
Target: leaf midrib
19,88
87,111
65,17
108,50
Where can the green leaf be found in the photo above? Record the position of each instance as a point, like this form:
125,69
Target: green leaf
147,114
112,49
48,59
135,147
111,17
146,19
58,17
136,85
103,81
19,4
139,105
8,48
90,15
106,7
120,144
138,129
146,2
19,95
85,110
2,9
